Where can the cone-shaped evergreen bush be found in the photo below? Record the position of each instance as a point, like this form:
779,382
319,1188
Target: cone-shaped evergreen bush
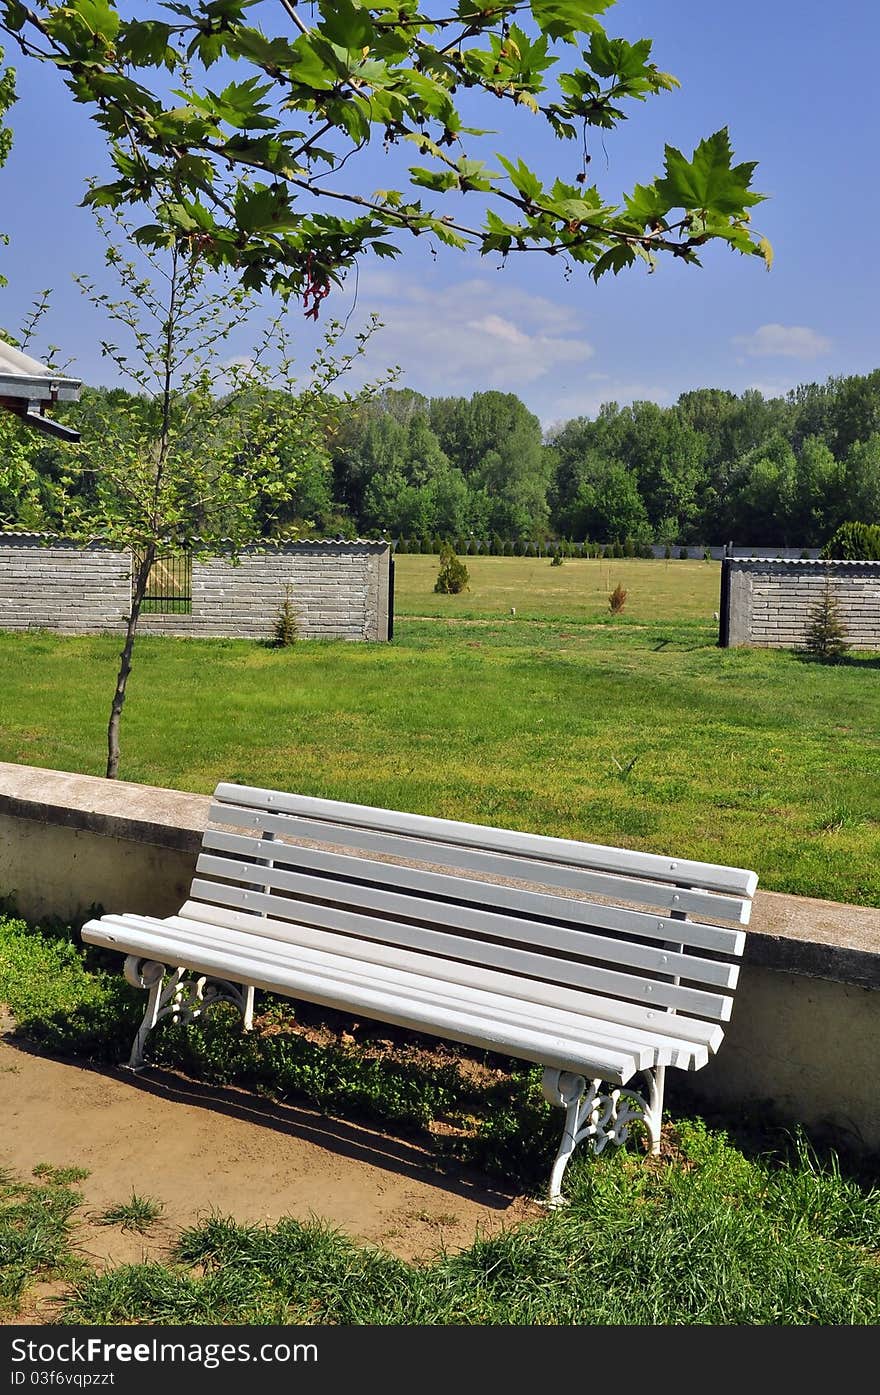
453,574
825,636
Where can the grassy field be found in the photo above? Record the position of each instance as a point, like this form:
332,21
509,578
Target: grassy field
752,1229
642,734
578,590
714,1239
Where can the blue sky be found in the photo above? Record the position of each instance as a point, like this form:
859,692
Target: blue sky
795,80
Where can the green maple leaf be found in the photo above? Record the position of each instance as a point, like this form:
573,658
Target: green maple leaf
100,16
646,205
147,42
561,19
615,259
708,181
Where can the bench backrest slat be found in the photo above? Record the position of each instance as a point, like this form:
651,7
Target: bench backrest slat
583,974
692,1029
711,876
667,896
419,882
477,920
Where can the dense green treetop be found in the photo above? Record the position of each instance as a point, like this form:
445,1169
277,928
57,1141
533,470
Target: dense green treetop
235,135
712,467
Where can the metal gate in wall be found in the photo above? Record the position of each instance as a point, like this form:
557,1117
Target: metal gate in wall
169,588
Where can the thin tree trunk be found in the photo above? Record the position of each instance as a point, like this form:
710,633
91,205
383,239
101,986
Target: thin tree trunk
142,576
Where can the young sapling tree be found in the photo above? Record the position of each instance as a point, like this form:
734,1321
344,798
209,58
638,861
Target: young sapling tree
200,460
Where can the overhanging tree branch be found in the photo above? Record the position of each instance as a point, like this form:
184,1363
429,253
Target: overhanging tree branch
358,73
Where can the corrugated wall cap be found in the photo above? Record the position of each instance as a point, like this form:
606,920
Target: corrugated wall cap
805,561
267,546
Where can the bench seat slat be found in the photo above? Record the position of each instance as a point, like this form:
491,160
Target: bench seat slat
620,888
468,918
471,1028
526,962
657,868
668,1049
445,971
718,938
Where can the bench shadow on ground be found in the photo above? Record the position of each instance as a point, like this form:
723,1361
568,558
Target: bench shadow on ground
355,1141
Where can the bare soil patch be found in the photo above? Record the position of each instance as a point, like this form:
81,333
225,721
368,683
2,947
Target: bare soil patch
203,1150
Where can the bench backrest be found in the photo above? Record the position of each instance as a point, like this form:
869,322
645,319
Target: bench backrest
586,919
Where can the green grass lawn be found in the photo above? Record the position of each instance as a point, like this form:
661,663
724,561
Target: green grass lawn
639,732
644,735
715,1238
751,1229
578,590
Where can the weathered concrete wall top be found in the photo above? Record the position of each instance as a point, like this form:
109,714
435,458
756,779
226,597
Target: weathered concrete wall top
770,600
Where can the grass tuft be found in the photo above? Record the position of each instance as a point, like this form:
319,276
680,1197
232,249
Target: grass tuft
35,1224
138,1213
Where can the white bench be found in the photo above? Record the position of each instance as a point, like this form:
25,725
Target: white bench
599,976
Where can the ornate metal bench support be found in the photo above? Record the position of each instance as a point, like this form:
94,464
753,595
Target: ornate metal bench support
181,997
598,1114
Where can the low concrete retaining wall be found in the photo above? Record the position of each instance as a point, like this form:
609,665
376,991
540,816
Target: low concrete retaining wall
801,1045
769,601
338,590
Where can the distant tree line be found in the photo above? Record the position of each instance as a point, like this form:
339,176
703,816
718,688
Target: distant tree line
784,471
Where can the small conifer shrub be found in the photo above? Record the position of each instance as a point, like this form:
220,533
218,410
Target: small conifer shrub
617,599
453,574
557,558
286,629
825,636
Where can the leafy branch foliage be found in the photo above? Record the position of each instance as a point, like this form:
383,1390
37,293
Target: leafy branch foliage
238,168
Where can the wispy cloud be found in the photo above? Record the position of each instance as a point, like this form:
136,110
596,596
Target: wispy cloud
471,335
783,341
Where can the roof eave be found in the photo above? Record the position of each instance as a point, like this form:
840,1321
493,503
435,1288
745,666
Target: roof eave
39,388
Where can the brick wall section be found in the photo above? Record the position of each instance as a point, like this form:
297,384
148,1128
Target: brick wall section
62,587
335,591
770,601
338,590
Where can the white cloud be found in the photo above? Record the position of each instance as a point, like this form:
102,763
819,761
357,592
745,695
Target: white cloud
471,335
499,328
783,341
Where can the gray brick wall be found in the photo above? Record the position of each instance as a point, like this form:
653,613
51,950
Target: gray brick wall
62,587
770,601
338,590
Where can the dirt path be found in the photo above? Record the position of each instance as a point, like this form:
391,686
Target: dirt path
201,1149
